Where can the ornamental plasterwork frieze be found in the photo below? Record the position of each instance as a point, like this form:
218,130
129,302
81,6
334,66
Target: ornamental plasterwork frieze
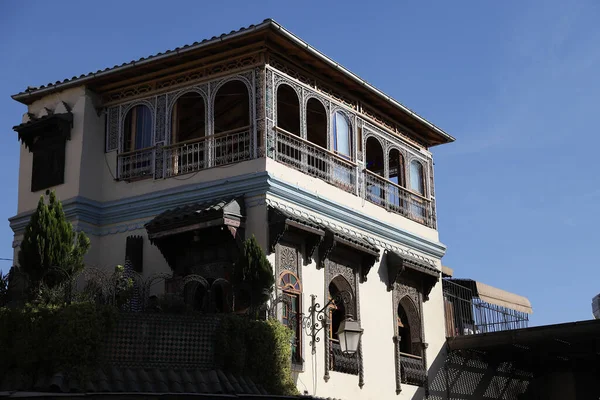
374,240
184,78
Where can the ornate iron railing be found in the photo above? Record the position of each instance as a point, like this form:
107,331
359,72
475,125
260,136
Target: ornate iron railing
232,146
398,199
467,314
321,163
341,362
136,164
182,158
315,161
412,369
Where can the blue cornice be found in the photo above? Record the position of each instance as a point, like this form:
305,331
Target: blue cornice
131,213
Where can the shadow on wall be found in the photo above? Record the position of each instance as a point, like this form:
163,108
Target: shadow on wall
464,375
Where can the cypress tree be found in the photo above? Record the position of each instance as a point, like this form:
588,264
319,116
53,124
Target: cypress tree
51,252
254,272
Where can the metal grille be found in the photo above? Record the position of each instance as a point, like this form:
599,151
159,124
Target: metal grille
182,158
467,314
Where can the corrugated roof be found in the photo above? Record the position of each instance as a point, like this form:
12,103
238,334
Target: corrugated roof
267,23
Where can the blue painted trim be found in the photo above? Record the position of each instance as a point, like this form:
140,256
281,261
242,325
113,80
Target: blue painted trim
339,212
93,217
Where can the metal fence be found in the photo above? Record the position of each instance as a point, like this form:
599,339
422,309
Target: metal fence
466,314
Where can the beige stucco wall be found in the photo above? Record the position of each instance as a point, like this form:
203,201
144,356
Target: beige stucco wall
377,315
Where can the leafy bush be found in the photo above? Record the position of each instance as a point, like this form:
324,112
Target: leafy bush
48,339
260,350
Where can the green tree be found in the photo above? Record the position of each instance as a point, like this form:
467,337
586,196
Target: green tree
254,273
51,252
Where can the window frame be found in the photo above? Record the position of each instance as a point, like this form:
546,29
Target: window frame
294,293
335,134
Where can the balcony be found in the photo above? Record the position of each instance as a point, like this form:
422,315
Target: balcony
289,149
321,163
186,157
471,307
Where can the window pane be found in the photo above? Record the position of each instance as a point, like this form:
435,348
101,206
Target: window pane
416,177
342,134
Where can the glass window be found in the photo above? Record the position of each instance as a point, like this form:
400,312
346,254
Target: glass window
342,140
417,183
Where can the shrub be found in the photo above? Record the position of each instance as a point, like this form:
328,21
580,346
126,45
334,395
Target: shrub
48,339
260,350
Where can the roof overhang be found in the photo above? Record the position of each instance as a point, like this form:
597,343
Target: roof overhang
268,32
561,342
49,127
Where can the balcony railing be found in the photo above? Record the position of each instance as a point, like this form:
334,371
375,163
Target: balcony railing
315,161
189,156
397,199
136,164
341,362
321,163
467,314
412,369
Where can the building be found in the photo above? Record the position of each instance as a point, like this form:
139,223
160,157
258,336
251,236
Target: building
170,161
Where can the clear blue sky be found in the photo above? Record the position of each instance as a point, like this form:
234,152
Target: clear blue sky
517,83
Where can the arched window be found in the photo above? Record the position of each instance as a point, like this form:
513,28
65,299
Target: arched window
220,291
409,327
232,107
137,130
396,165
417,179
316,132
375,164
292,311
188,118
340,310
342,135
288,109
396,175
232,120
188,125
316,123
404,331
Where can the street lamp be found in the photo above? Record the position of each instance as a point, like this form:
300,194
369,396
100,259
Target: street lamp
349,332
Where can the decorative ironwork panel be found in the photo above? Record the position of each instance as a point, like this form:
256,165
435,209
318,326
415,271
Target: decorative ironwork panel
413,371
259,85
341,362
112,129
160,129
146,340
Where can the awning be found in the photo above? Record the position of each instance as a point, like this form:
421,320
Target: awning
400,264
496,296
229,212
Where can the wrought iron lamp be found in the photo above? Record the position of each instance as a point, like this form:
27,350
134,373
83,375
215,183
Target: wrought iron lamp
349,332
